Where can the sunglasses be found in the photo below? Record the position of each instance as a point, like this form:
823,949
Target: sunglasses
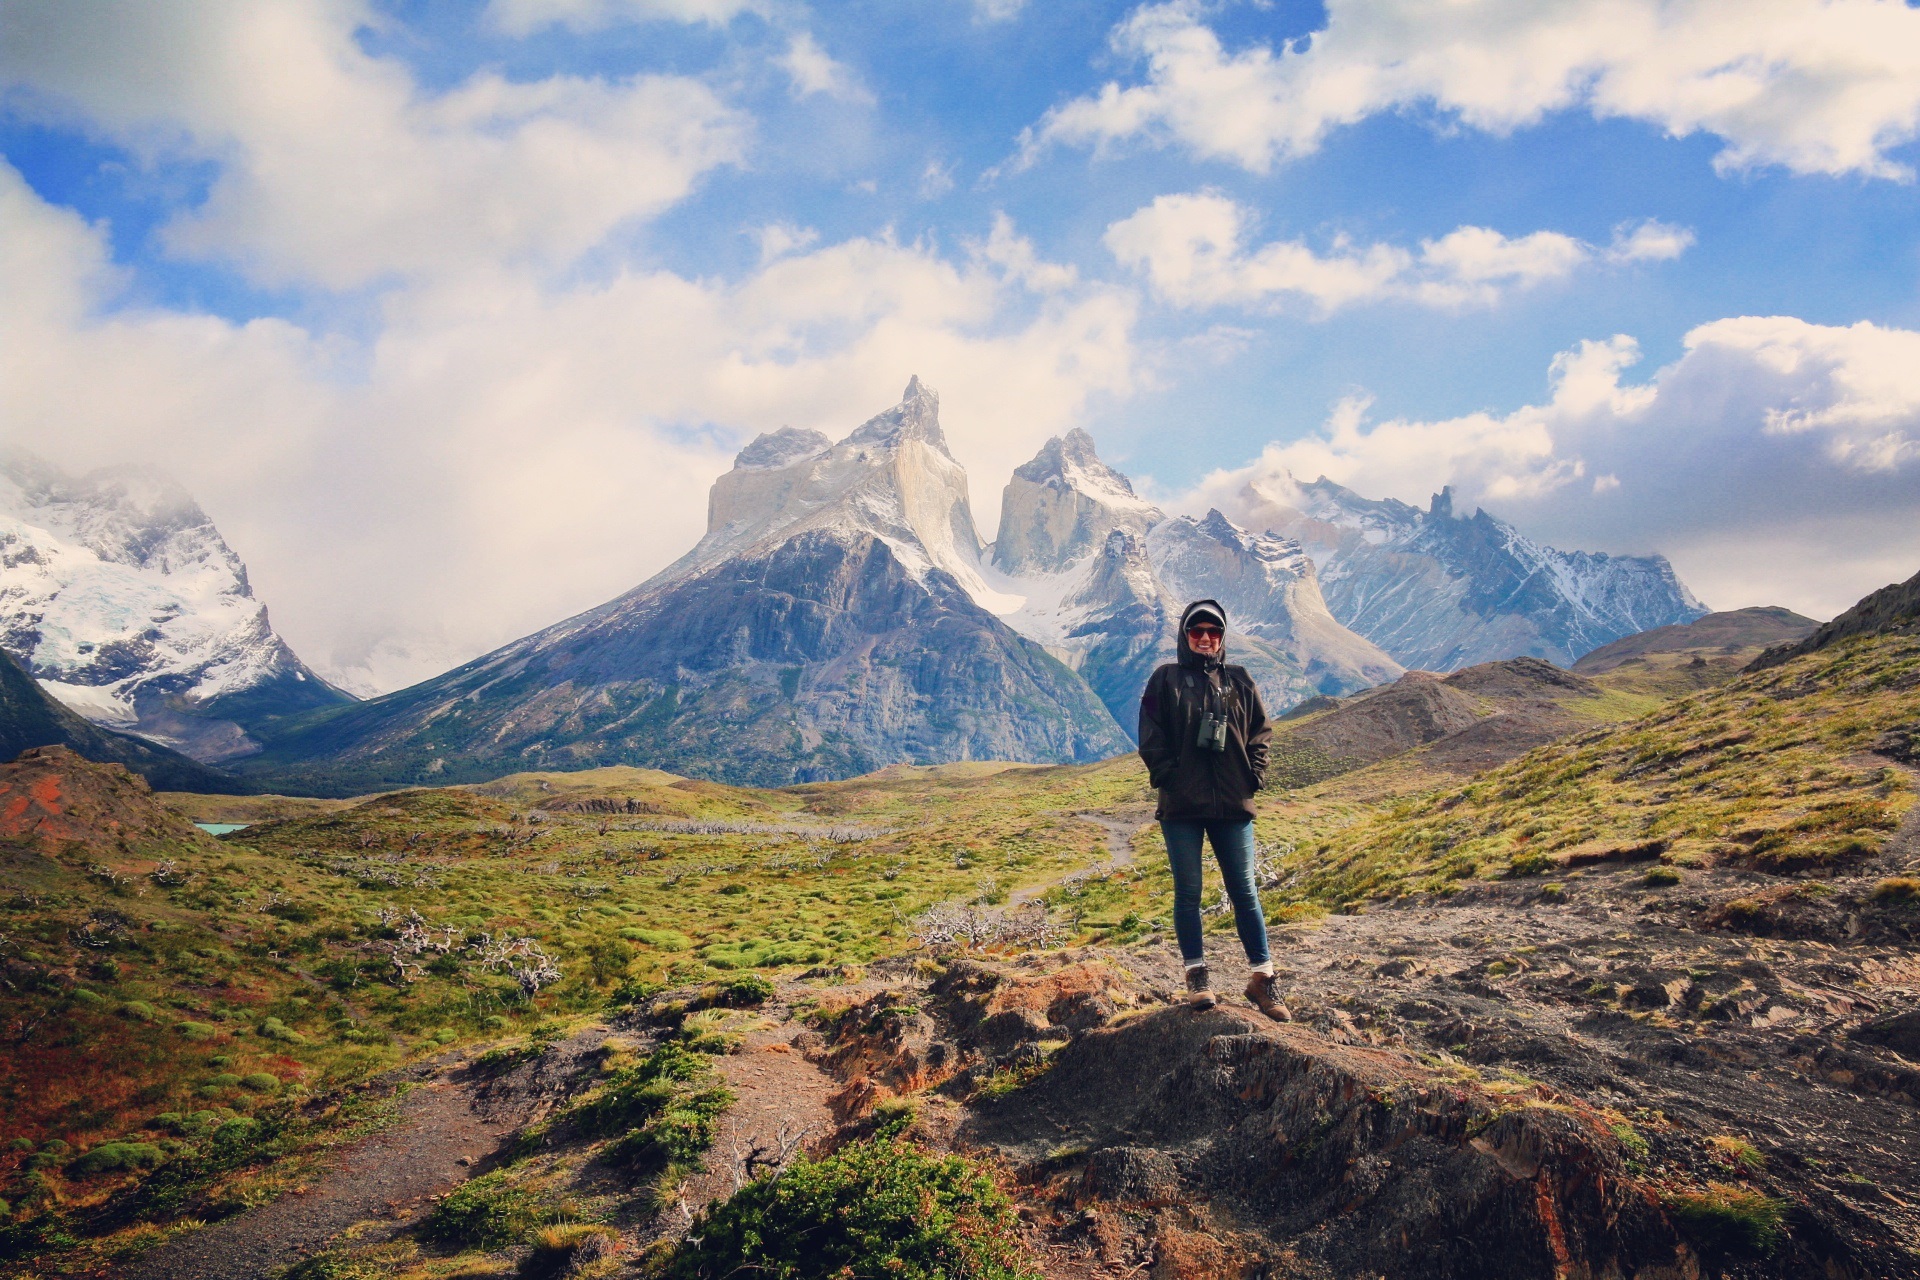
1205,631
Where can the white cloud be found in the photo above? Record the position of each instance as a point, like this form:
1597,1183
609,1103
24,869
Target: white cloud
1648,241
336,168
524,17
997,10
1192,249
935,180
1829,87
813,71
1776,461
506,452
778,239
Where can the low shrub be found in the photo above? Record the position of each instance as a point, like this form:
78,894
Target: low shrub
1726,1219
569,1250
274,1029
745,991
485,1213
677,1136
1530,864
634,1095
116,1157
196,1030
1661,876
260,1082
1897,890
878,1208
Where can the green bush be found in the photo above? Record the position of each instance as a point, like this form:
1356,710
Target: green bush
678,1136
485,1213
260,1081
634,1095
196,1030
881,1208
745,991
138,1010
225,1080
1726,1219
116,1157
274,1029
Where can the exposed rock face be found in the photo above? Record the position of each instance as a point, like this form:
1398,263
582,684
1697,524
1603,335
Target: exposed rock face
1064,504
1439,591
826,625
119,595
30,719
1100,577
1892,609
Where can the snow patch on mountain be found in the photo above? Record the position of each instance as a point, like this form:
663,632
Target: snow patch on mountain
1440,591
121,598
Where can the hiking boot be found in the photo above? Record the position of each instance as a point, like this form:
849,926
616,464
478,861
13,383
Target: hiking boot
1199,994
1264,992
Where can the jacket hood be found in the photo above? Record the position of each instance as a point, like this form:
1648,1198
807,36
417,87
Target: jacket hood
1188,658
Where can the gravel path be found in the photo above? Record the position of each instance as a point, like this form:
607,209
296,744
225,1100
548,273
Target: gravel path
448,1126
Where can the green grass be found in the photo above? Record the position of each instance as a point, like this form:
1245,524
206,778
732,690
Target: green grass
1766,772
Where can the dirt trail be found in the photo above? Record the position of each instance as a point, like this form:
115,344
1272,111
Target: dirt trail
449,1124
1120,833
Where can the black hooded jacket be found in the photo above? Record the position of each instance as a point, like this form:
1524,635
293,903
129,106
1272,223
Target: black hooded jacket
1193,781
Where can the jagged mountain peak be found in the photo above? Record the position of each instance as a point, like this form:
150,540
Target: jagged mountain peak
916,417
780,448
1059,507
1442,591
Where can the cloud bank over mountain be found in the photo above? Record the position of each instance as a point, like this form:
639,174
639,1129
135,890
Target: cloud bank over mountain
1759,433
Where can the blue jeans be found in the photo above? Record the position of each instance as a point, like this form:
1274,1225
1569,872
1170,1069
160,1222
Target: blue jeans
1233,849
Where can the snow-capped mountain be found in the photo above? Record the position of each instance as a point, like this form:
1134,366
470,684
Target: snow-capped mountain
1440,591
829,623
1101,575
122,599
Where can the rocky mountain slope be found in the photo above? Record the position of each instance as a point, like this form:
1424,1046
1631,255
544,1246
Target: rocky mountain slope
1475,718
120,596
1440,591
29,718
1891,609
827,624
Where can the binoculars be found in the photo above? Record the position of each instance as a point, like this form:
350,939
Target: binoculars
1213,733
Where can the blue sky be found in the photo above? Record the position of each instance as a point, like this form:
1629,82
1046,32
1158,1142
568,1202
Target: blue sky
449,312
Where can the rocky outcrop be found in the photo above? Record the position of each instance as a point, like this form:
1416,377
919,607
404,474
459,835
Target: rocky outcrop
57,801
1062,504
1440,591
120,596
1890,610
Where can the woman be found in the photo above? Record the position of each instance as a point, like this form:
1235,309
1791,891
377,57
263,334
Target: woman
1204,737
